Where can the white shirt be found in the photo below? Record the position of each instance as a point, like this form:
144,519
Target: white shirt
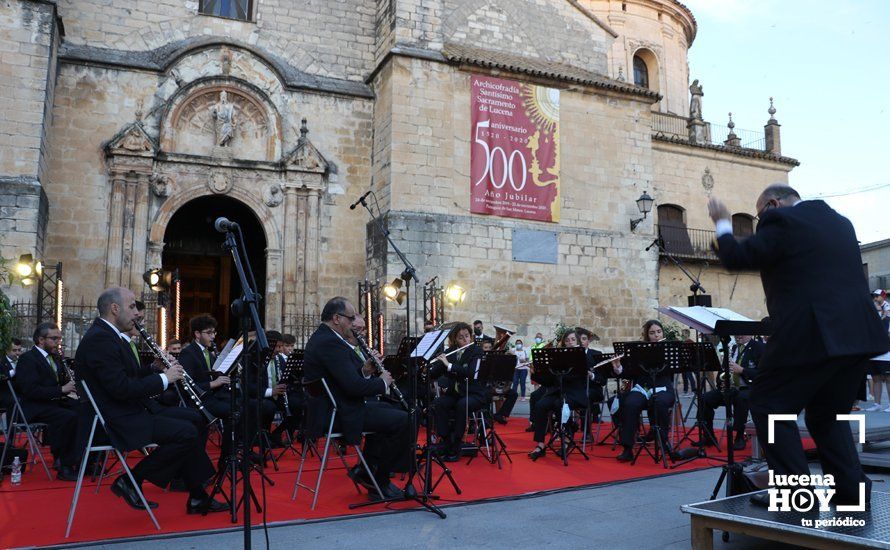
127,339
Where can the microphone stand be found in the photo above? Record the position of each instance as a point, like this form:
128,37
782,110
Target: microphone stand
696,288
408,274
248,314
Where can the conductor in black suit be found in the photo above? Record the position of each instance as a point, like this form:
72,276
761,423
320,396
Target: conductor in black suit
328,355
105,362
44,390
825,328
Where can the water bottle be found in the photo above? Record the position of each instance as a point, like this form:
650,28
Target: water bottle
16,477
565,413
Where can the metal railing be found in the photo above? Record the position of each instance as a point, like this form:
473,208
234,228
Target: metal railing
688,244
674,126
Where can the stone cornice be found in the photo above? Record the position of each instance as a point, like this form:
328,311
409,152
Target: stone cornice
737,151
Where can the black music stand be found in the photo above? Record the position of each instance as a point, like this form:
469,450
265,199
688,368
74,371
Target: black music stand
648,360
292,376
701,357
555,365
496,368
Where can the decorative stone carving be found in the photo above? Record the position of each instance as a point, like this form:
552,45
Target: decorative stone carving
222,121
223,114
273,194
707,180
226,61
695,101
219,183
134,141
161,184
305,156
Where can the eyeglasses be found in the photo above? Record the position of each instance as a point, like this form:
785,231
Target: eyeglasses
209,331
766,207
350,317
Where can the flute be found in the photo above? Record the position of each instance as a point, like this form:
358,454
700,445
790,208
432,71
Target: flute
451,353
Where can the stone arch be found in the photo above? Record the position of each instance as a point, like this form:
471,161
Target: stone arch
186,125
255,202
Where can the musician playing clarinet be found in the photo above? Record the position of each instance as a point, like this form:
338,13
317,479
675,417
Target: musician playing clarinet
106,363
462,394
658,397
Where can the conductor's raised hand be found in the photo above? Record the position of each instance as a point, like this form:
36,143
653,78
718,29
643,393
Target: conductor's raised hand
717,210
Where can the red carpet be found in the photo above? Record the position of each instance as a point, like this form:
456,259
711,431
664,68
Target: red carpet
38,508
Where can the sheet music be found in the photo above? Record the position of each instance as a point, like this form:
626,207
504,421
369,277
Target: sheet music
220,357
430,343
226,364
700,318
882,357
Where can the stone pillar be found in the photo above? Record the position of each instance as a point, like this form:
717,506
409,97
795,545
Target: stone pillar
289,290
154,255
129,217
696,129
771,132
140,231
272,291
115,230
313,242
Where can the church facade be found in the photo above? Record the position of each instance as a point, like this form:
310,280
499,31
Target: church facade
132,126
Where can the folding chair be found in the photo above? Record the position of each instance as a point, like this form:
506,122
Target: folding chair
91,447
319,389
16,421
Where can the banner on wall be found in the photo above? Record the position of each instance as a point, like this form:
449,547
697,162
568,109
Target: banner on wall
514,150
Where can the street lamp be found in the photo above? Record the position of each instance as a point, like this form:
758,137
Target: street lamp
644,204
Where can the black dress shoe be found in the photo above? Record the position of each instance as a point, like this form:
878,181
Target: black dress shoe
739,444
531,428
205,506
358,475
853,499
537,453
626,455
66,473
451,456
499,418
124,489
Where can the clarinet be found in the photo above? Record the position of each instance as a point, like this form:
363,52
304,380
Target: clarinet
284,399
187,383
379,367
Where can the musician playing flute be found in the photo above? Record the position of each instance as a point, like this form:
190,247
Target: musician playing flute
462,393
105,362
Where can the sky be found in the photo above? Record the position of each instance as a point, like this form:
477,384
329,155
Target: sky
824,63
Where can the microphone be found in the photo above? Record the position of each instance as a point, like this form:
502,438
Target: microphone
223,225
360,200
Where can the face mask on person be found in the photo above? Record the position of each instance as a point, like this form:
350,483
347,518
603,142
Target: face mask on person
518,346
477,331
538,340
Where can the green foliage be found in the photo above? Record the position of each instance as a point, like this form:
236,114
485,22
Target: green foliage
673,331
6,322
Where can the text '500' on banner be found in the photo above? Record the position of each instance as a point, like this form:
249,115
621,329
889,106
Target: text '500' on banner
514,155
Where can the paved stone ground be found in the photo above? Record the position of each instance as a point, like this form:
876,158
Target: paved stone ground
633,515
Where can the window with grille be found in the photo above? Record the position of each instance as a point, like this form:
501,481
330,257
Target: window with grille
641,72
230,9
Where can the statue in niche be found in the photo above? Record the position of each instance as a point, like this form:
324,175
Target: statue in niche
224,116
695,102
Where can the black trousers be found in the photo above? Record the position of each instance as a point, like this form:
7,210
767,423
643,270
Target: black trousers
632,406
823,390
544,405
388,449
220,405
533,398
61,419
450,412
296,402
509,401
179,454
739,397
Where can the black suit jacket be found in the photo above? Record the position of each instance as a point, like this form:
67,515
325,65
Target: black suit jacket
36,382
328,356
463,370
749,358
6,402
106,363
192,360
816,291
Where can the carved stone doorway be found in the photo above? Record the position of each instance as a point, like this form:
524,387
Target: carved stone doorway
209,279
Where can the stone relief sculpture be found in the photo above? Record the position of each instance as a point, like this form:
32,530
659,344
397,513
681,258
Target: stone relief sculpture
695,102
224,116
273,195
161,184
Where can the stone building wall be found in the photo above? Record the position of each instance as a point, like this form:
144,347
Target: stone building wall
660,26
602,276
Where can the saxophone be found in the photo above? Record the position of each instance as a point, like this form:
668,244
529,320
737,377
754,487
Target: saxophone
187,383
396,392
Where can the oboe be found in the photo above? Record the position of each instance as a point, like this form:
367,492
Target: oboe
377,365
187,383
